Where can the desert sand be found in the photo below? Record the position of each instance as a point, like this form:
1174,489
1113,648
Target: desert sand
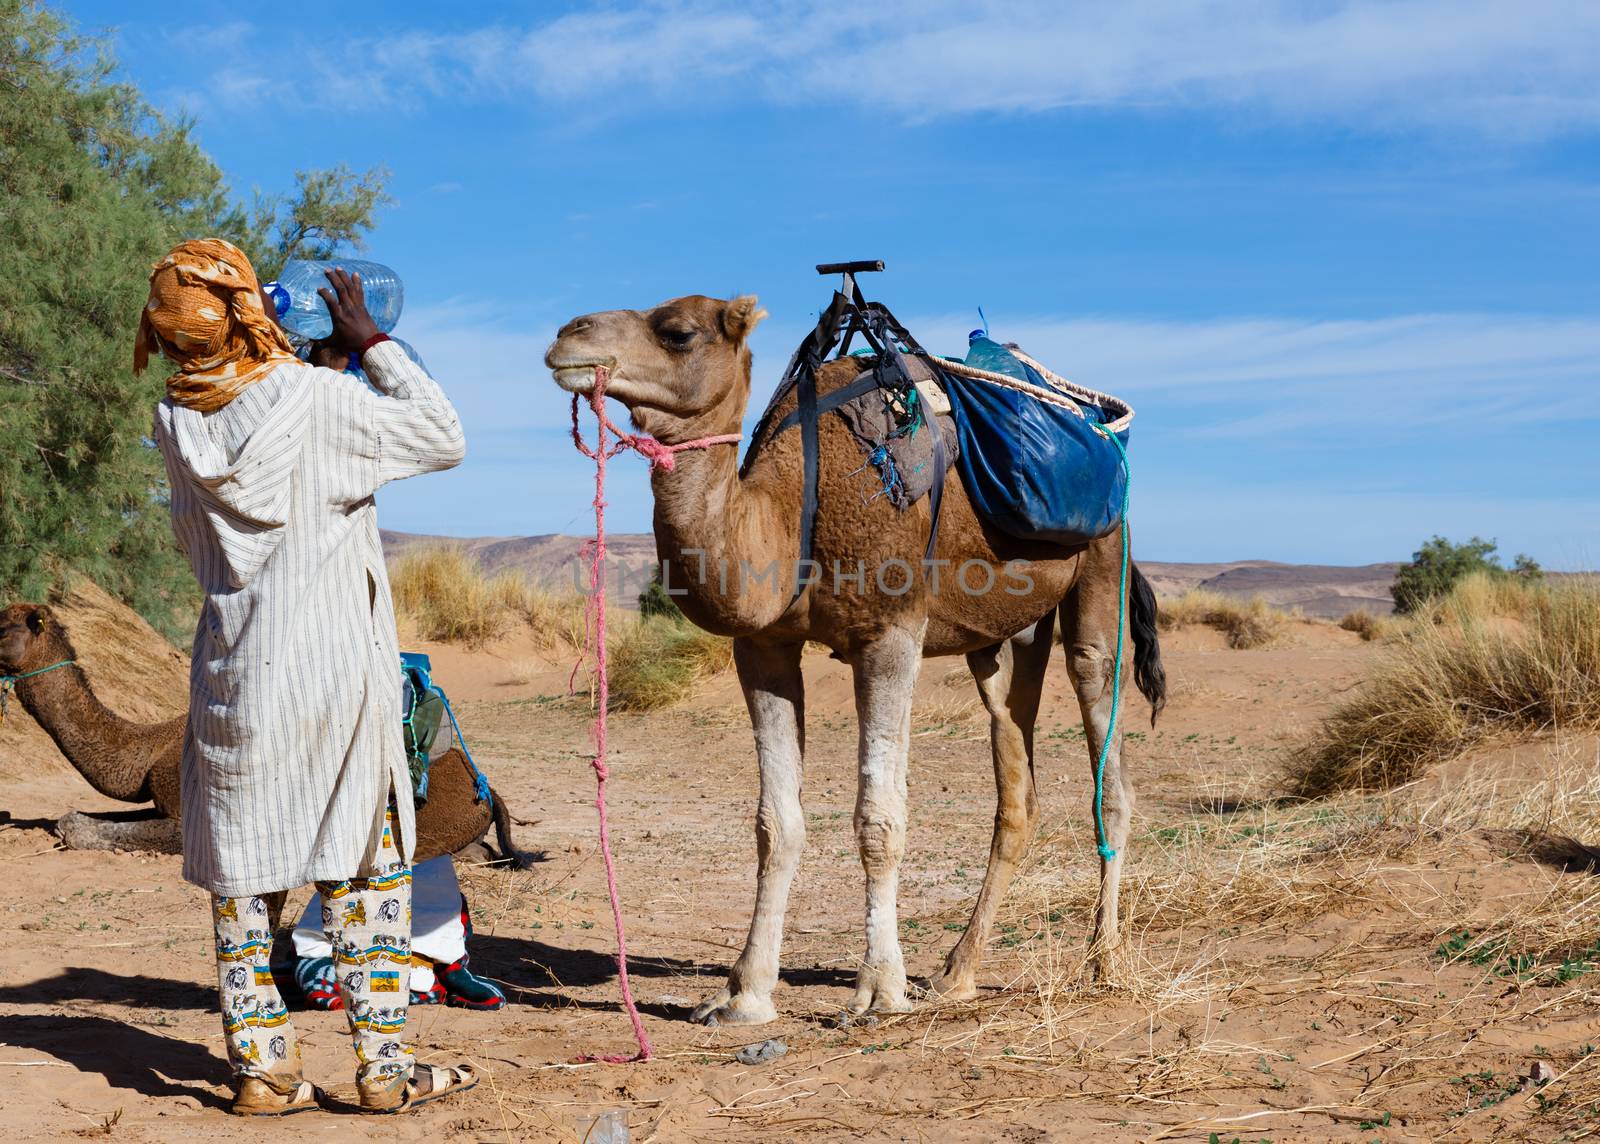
1284,979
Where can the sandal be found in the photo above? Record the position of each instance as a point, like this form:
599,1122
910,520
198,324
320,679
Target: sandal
258,1098
402,1092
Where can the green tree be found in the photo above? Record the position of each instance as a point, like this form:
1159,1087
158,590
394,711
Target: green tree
1439,564
329,210
94,186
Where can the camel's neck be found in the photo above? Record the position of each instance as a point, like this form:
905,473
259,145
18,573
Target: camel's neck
115,755
726,545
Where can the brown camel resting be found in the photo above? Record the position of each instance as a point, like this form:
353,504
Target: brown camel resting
683,371
138,762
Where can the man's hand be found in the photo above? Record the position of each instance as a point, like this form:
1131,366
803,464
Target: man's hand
353,327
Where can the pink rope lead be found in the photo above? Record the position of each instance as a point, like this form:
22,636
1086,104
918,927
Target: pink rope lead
664,456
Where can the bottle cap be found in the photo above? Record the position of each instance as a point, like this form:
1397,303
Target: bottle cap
279,296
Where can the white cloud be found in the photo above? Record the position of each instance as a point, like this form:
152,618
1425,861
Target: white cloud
1524,69
1387,374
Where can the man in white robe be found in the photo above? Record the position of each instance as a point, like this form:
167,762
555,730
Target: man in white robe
293,768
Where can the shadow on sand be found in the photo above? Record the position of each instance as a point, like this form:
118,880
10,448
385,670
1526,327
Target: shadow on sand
128,1056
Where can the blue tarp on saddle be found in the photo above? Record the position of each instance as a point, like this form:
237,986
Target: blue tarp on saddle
1035,459
1040,457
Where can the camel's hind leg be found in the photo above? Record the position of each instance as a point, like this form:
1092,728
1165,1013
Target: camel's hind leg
1089,631
775,695
885,675
1010,678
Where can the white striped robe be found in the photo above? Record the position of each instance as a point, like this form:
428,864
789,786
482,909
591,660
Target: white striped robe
293,741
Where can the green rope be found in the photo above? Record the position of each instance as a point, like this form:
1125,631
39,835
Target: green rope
14,679
1116,672
9,682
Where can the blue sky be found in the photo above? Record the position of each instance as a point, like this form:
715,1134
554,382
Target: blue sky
1341,257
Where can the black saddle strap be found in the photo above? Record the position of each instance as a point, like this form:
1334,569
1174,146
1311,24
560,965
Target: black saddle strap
844,318
936,490
810,452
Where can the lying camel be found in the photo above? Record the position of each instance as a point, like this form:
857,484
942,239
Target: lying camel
138,762
683,371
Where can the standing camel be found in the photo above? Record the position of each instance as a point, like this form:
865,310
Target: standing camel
139,762
683,371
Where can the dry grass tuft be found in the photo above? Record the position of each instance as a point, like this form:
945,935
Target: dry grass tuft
1491,656
554,618
443,592
953,713
1247,623
1372,628
656,662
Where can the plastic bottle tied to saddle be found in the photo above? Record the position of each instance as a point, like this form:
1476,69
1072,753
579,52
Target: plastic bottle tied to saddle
985,353
304,314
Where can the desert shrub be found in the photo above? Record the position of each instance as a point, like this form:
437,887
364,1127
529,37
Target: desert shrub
1371,627
446,596
444,593
554,618
1439,565
1456,675
1247,623
1484,596
656,662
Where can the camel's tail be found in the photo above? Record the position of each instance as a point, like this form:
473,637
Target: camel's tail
1148,673
502,833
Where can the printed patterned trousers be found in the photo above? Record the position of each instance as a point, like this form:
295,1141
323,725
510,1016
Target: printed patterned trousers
368,923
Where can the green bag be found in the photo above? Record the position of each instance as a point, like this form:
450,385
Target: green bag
422,712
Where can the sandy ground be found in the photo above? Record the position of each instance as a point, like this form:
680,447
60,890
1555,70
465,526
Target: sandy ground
1272,991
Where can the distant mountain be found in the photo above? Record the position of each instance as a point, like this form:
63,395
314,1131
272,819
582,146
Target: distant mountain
1325,590
552,560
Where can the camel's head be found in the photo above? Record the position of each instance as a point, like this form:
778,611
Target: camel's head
30,638
682,369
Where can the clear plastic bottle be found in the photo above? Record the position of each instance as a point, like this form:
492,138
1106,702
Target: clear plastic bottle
307,314
607,1128
985,353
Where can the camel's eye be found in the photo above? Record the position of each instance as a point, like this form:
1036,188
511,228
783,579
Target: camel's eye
35,624
677,337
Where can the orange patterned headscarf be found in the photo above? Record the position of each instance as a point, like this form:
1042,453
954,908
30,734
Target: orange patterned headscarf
205,316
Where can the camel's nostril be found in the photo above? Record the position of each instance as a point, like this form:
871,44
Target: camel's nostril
576,326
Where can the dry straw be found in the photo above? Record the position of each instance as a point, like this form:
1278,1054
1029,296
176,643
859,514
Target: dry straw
1494,655
1247,623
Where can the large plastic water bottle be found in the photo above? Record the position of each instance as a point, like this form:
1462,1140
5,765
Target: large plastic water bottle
307,314
985,353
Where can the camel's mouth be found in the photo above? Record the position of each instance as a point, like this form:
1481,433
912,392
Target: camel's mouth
576,375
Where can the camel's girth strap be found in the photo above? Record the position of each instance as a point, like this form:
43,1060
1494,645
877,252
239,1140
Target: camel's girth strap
845,317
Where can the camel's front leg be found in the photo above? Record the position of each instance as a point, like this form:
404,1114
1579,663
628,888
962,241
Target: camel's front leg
775,694
885,674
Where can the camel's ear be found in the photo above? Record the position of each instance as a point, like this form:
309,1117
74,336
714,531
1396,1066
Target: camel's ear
741,317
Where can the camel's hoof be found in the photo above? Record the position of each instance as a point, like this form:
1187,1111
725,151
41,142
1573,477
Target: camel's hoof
1106,967
949,987
880,997
744,1009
